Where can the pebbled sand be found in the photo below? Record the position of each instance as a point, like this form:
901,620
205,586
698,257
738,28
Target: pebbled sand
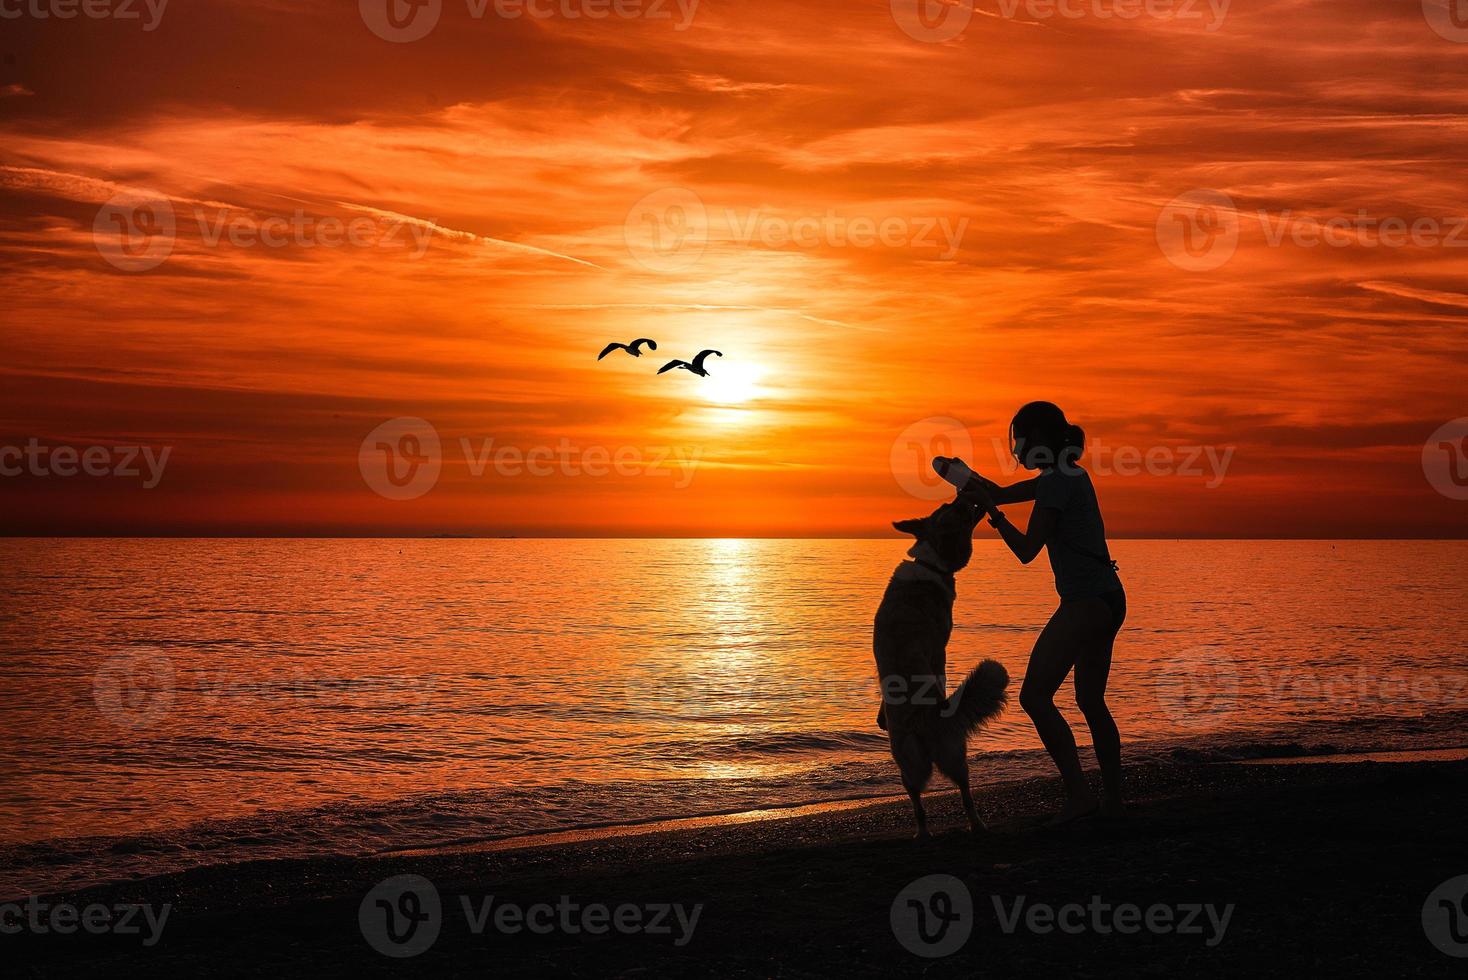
1327,867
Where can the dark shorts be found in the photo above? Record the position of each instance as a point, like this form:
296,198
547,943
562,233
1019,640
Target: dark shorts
1115,601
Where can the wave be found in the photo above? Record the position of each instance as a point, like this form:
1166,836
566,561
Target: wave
771,744
824,766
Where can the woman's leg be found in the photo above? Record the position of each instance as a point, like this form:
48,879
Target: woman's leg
1052,658
1093,668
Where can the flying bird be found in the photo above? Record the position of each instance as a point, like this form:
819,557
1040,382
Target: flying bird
696,367
631,348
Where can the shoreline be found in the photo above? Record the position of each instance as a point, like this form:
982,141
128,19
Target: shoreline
636,828
234,841
791,811
1326,864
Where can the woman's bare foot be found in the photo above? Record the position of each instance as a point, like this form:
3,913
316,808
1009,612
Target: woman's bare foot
1076,808
1112,807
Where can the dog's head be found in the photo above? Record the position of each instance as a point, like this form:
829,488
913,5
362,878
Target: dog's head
945,537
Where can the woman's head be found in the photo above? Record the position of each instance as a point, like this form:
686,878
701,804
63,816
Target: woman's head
1041,437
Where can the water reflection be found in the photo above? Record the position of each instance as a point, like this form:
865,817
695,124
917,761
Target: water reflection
318,672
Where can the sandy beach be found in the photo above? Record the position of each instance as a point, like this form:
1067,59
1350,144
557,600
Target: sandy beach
1220,870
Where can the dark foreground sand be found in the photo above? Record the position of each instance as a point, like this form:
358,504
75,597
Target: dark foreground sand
1326,866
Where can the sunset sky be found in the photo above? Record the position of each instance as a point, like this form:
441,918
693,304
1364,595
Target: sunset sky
979,221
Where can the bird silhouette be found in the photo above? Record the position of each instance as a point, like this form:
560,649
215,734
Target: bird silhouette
696,367
631,348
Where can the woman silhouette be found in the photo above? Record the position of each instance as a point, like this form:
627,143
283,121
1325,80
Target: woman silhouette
1066,521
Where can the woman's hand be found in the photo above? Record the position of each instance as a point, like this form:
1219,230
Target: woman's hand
977,496
957,472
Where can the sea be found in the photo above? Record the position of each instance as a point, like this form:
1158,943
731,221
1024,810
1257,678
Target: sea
172,703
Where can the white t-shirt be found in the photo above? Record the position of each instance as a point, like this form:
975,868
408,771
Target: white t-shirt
1078,545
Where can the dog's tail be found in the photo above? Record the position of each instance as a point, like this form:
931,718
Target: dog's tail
981,697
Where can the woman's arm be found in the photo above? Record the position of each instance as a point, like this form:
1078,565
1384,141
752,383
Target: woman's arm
1015,493
1028,543
961,475
1025,544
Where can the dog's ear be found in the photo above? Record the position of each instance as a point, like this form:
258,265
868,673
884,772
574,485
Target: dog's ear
911,526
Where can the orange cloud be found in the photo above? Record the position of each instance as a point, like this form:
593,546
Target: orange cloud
875,230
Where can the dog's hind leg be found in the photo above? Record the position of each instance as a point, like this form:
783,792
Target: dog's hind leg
916,766
974,823
916,795
954,764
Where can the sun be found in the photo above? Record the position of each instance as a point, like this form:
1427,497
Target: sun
731,384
